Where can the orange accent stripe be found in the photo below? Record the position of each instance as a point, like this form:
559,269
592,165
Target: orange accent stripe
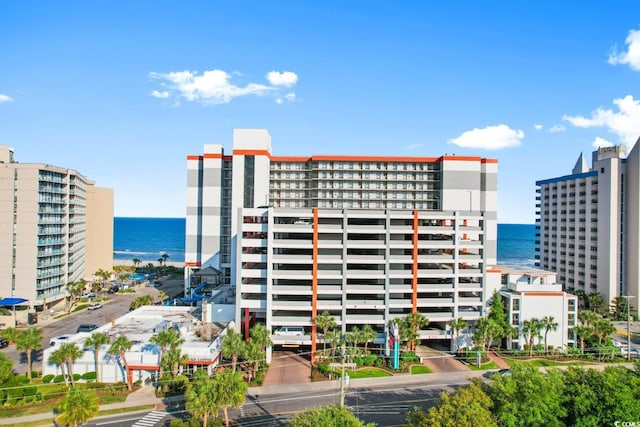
227,158
213,155
414,279
251,153
494,270
376,159
193,264
290,159
462,158
194,157
314,285
489,161
143,367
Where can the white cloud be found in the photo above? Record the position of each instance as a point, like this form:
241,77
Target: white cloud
5,98
557,128
631,56
286,78
489,138
290,97
215,86
625,122
601,142
158,94
537,126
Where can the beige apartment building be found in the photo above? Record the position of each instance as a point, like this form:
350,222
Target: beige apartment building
56,227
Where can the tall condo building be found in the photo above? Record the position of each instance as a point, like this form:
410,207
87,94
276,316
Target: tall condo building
589,224
56,227
366,238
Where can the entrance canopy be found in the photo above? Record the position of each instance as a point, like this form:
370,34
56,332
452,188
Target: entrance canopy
12,301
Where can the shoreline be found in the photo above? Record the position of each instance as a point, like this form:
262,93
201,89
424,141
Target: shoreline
143,263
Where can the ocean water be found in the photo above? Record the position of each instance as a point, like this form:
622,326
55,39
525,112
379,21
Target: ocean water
148,238
516,244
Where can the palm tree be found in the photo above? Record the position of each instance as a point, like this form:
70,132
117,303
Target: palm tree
602,329
595,301
457,325
232,347
28,341
162,296
368,334
325,322
6,368
353,337
231,390
71,352
254,354
548,324
119,348
260,334
531,328
200,397
59,358
136,262
174,359
415,322
166,339
581,332
78,406
95,342
165,256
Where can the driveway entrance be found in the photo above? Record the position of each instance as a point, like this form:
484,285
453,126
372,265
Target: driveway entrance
287,367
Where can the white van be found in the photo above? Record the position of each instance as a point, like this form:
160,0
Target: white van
290,330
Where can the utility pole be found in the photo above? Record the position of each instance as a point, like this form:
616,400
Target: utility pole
628,298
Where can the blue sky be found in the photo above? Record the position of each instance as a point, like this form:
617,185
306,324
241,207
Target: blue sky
123,91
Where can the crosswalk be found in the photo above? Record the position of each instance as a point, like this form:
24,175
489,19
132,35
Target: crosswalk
151,419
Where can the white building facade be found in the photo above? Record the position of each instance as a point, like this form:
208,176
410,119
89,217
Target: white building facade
56,227
531,293
366,238
589,224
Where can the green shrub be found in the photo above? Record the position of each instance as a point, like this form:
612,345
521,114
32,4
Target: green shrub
3,397
30,391
324,368
58,379
22,379
409,357
89,376
76,377
14,395
47,378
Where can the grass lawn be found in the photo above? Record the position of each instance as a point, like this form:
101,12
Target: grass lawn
543,363
483,367
420,369
368,373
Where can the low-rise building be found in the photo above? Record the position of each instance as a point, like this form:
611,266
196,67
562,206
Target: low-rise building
202,344
531,293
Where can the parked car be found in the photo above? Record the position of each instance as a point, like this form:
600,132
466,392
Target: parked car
88,295
59,340
95,306
290,330
114,289
86,328
3,343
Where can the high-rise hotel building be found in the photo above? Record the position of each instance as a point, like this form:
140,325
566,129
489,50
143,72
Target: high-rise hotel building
366,238
56,227
589,224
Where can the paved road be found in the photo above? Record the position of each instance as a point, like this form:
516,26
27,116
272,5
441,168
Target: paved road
117,306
